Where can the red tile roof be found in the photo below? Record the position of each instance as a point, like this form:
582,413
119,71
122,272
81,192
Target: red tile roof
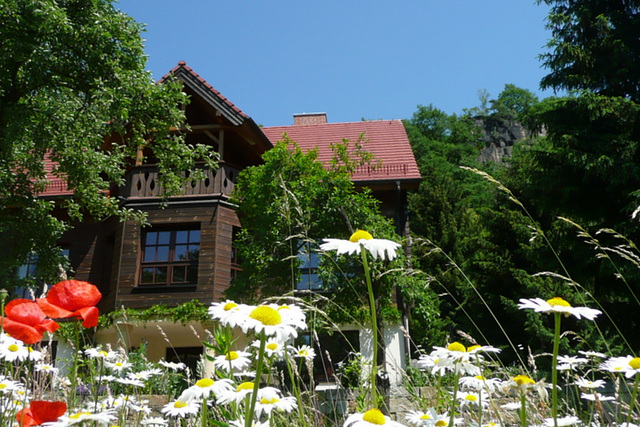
386,139
57,186
183,67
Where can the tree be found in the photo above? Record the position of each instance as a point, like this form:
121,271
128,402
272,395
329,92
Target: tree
594,46
74,90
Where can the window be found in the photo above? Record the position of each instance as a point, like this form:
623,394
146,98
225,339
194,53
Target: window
309,280
31,286
170,257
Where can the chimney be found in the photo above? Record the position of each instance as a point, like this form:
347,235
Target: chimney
309,119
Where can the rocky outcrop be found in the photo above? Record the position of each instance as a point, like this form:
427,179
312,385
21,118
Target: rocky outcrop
498,136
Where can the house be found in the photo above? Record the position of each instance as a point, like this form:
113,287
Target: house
186,252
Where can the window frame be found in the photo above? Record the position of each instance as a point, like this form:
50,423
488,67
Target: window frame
171,265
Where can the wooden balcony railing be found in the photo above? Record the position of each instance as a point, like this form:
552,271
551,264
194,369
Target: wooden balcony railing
143,181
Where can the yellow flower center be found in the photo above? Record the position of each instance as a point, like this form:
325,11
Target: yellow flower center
79,414
373,416
245,386
474,347
103,354
425,417
14,347
359,235
118,363
232,355
471,397
480,377
3,386
635,363
284,307
272,346
205,383
558,301
265,401
179,404
266,315
456,346
441,423
523,380
229,306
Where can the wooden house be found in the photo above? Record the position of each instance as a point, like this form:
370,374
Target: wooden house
186,252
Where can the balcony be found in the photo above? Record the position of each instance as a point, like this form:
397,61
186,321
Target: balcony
143,182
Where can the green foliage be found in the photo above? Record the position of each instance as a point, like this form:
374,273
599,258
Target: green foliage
594,46
73,89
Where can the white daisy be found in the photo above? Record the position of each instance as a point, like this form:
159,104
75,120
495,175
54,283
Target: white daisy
269,399
236,395
118,366
228,313
8,386
46,367
154,422
595,396
628,365
476,398
173,365
569,363
378,248
240,423
558,305
586,383
273,347
105,417
420,418
268,319
371,418
303,352
130,381
478,382
12,350
180,408
564,421
99,353
204,387
232,361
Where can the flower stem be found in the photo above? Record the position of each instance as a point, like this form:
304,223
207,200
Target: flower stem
632,403
374,329
248,421
456,385
523,408
554,370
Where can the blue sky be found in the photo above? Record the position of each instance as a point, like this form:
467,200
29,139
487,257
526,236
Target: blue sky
352,59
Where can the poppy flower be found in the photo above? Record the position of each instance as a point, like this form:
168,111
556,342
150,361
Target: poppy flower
72,298
25,321
40,412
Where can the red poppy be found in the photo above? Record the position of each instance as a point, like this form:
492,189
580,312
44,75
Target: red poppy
72,298
25,321
40,412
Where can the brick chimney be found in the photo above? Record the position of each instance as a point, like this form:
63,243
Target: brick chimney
309,119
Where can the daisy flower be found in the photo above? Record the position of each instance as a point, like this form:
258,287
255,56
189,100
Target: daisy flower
228,313
12,350
234,360
558,305
569,363
204,387
8,386
472,398
478,382
273,347
46,367
130,381
237,395
303,352
98,353
105,417
268,319
628,365
371,418
585,383
180,408
420,418
118,366
269,399
564,421
595,396
240,423
154,422
378,248
175,367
